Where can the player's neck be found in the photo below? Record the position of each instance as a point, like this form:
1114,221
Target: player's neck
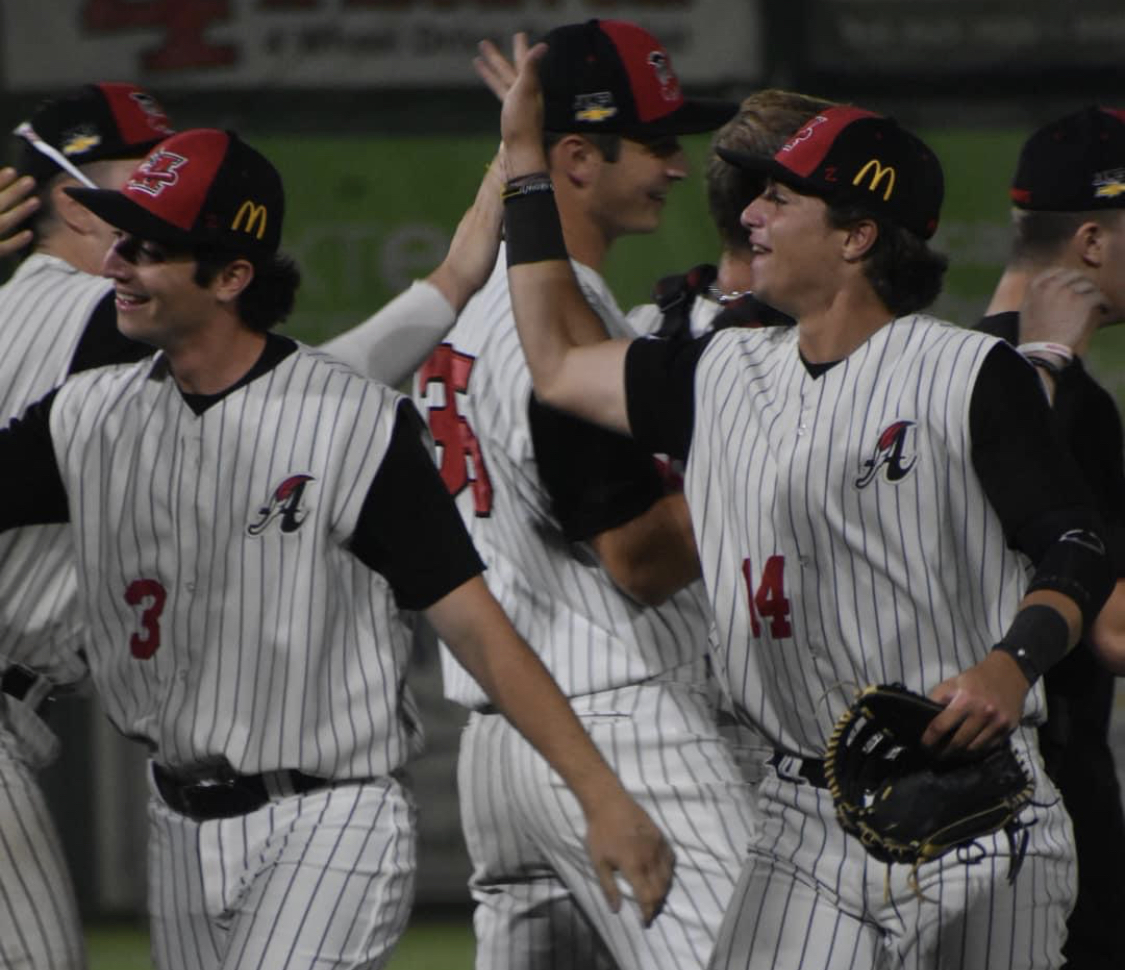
213,359
1010,289
836,330
585,241
71,249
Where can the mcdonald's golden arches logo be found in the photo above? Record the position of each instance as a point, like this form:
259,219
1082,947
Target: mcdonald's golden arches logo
881,171
254,214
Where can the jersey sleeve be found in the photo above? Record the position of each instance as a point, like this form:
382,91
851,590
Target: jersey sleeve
409,530
31,486
102,343
660,393
596,479
1023,463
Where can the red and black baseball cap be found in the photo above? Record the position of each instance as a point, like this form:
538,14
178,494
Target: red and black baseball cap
201,186
851,155
612,76
92,123
1074,164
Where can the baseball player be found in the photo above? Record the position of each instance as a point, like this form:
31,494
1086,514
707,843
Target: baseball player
870,490
55,319
1068,254
592,557
252,520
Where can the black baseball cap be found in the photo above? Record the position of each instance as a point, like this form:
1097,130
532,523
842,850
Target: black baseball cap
612,76
199,186
92,123
1074,164
852,155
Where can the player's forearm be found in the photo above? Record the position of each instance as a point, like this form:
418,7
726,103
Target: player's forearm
474,627
1107,633
394,342
652,556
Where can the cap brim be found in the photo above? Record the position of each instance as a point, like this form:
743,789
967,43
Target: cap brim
123,213
769,167
694,116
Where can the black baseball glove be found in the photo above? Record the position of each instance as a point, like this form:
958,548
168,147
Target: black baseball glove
903,802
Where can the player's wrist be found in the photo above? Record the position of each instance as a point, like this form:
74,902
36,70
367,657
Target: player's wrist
532,228
1038,638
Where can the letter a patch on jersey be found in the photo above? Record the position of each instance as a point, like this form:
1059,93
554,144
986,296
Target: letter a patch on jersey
284,504
890,455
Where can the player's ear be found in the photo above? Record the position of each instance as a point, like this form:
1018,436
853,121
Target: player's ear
1089,242
859,238
232,279
74,214
576,158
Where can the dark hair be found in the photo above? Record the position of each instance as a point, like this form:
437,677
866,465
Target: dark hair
606,143
269,298
1039,235
765,121
900,266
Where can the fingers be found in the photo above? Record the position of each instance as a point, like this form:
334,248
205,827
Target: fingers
16,205
1062,306
608,881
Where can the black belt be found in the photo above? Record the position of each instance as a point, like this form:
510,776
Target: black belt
790,767
228,795
17,681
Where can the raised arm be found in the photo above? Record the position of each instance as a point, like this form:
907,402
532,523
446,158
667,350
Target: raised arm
574,365
392,343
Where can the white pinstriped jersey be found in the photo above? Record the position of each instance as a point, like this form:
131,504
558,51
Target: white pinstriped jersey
228,619
590,635
44,309
847,509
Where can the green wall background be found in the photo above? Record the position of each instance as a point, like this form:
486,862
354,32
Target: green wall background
368,214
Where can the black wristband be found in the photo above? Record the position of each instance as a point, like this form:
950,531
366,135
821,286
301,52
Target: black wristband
532,230
1038,638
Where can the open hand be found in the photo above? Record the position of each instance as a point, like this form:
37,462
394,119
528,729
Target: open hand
1062,306
621,838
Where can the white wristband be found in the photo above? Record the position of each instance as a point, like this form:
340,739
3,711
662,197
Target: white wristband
1046,347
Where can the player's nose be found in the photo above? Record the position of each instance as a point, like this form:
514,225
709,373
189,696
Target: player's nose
677,166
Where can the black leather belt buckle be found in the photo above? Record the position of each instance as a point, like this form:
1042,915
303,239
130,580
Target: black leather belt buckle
226,796
790,767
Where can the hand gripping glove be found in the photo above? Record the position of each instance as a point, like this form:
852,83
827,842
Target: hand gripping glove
903,802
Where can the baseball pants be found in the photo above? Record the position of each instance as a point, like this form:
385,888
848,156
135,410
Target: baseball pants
39,924
324,879
539,904
811,898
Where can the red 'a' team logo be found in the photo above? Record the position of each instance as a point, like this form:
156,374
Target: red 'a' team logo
284,504
889,455
156,172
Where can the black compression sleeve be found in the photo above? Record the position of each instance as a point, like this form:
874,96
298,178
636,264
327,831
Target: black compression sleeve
597,479
102,343
660,393
1017,451
409,529
31,488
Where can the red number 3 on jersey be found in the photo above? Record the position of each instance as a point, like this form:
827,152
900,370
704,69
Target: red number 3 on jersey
144,644
768,600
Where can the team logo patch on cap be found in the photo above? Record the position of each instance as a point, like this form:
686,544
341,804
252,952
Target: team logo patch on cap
156,173
249,215
662,68
1109,184
594,107
889,455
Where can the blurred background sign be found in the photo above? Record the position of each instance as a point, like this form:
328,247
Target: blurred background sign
337,43
942,37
